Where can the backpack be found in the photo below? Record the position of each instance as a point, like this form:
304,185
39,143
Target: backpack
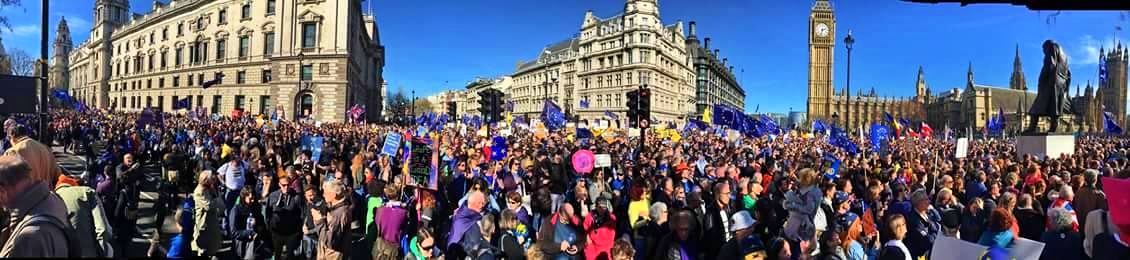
74,249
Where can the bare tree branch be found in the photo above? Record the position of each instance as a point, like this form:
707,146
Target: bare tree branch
22,62
4,19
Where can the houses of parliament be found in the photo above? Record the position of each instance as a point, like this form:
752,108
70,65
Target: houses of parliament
969,108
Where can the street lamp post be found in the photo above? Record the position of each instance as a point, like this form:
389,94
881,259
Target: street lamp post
848,42
413,106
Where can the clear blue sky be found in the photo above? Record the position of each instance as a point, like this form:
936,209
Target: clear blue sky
437,45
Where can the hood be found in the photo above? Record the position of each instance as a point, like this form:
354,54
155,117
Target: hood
462,222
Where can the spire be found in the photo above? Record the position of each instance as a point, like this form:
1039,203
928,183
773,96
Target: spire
969,74
1017,81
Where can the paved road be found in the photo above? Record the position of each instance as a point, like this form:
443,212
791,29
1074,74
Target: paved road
146,209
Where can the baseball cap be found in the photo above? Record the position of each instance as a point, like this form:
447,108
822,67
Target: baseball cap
741,220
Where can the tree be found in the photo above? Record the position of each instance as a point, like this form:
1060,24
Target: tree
422,106
398,104
4,19
22,64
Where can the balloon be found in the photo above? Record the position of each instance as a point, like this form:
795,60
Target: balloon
583,161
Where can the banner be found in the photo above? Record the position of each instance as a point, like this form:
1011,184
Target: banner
391,145
420,164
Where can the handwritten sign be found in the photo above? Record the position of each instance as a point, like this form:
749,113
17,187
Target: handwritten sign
420,164
583,161
603,160
392,143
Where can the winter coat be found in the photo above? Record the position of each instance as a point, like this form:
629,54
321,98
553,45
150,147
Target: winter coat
207,233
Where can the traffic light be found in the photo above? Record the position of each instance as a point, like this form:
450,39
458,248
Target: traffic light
633,106
451,111
490,105
645,106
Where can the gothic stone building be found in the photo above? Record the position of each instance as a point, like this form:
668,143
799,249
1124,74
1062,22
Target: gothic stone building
826,104
298,57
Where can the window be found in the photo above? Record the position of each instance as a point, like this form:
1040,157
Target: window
245,11
239,100
221,49
165,34
216,101
164,56
243,48
268,43
189,80
149,83
200,78
180,29
240,77
149,62
219,77
176,81
200,100
150,38
309,35
265,105
160,103
270,7
161,82
307,72
148,101
223,16
266,76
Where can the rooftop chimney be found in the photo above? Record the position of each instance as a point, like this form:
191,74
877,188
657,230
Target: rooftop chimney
724,60
716,53
706,43
731,69
692,29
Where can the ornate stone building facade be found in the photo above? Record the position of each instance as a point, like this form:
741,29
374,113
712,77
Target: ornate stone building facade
826,104
59,76
302,58
610,57
715,82
1113,89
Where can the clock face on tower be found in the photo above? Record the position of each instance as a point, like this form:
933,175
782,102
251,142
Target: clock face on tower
822,30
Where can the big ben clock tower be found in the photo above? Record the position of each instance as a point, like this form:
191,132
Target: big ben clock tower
821,50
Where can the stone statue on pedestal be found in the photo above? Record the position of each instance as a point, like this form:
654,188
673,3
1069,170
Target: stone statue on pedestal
1051,96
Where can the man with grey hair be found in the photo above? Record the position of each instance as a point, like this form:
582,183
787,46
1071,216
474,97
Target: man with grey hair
1061,241
334,239
1066,195
923,225
39,217
1088,197
1029,220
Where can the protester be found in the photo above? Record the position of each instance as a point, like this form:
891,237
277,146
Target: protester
1062,242
40,219
333,236
87,217
209,207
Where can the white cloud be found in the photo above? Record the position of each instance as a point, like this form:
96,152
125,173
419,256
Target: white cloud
1087,52
25,30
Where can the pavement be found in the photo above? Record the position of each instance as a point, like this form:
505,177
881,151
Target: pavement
146,209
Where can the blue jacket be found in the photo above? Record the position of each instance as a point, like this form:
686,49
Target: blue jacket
1001,239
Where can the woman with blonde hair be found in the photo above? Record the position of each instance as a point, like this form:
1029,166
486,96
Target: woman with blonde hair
802,205
206,235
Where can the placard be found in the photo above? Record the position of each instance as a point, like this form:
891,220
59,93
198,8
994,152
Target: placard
962,148
952,248
583,161
603,160
420,164
392,144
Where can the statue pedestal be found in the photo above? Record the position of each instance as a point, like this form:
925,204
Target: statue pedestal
1045,145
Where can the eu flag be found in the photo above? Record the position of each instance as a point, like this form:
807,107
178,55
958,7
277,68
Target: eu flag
1109,125
213,82
182,103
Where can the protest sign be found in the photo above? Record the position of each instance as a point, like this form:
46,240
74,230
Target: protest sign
420,164
602,160
952,248
392,143
583,161
962,148
1118,195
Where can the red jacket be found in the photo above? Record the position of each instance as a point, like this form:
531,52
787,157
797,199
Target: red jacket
599,239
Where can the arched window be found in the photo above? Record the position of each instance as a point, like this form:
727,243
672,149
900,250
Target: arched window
305,104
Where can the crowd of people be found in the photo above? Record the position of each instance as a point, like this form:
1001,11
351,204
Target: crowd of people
694,195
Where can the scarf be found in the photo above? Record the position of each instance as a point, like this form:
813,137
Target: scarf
900,246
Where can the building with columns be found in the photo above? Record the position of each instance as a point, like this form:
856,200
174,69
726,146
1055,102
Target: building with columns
840,107
303,58
714,80
609,57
